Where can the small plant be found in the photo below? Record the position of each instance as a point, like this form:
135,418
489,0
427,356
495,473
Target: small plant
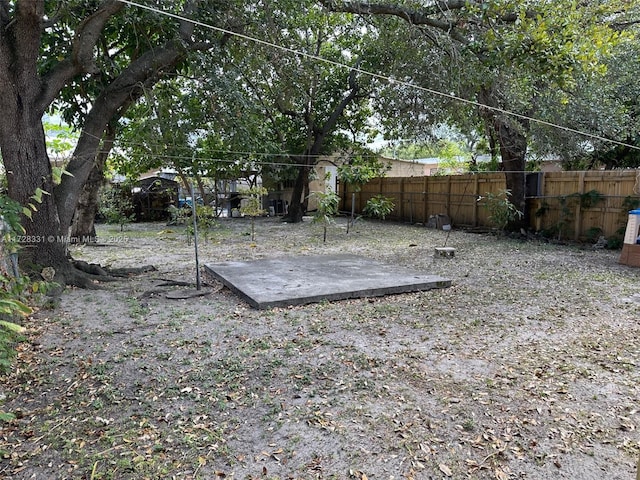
593,234
327,209
252,206
356,173
379,207
10,333
115,207
12,286
501,211
207,220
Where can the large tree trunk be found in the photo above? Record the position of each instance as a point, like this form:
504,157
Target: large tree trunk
297,206
511,135
83,227
28,170
22,138
25,97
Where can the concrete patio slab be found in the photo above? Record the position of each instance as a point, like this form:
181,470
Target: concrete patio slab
279,282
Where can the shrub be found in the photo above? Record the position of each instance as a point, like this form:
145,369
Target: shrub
327,209
379,207
115,207
252,205
12,288
501,211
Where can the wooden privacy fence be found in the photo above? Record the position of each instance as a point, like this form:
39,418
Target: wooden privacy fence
574,205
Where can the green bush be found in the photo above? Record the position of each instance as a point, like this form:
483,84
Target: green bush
116,207
12,289
501,211
378,207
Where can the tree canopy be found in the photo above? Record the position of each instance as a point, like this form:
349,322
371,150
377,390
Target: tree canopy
507,55
312,102
100,55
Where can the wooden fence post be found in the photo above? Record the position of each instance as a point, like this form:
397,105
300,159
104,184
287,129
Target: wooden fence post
402,209
578,221
542,194
476,192
424,200
448,204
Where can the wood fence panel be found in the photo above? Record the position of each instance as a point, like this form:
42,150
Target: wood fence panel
462,199
486,183
392,187
437,196
368,190
561,207
414,204
558,207
558,204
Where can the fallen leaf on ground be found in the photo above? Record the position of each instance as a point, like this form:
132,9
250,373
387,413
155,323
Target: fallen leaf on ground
446,470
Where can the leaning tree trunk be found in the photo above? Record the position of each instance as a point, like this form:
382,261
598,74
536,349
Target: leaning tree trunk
511,136
297,209
83,227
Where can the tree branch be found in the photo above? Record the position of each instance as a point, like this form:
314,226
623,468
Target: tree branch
81,59
431,16
620,26
437,8
329,125
424,16
143,73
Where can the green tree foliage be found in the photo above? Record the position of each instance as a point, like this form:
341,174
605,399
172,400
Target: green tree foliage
201,127
357,171
116,206
61,140
605,105
503,54
311,107
360,169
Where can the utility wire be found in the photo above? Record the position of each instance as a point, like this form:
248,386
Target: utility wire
380,76
292,164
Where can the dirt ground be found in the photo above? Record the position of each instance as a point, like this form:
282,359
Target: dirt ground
526,368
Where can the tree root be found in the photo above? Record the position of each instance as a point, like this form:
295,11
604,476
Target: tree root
78,273
128,272
110,274
166,282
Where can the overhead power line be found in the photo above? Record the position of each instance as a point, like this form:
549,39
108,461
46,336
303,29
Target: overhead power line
380,76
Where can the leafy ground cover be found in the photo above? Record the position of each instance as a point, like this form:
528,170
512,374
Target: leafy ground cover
527,367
